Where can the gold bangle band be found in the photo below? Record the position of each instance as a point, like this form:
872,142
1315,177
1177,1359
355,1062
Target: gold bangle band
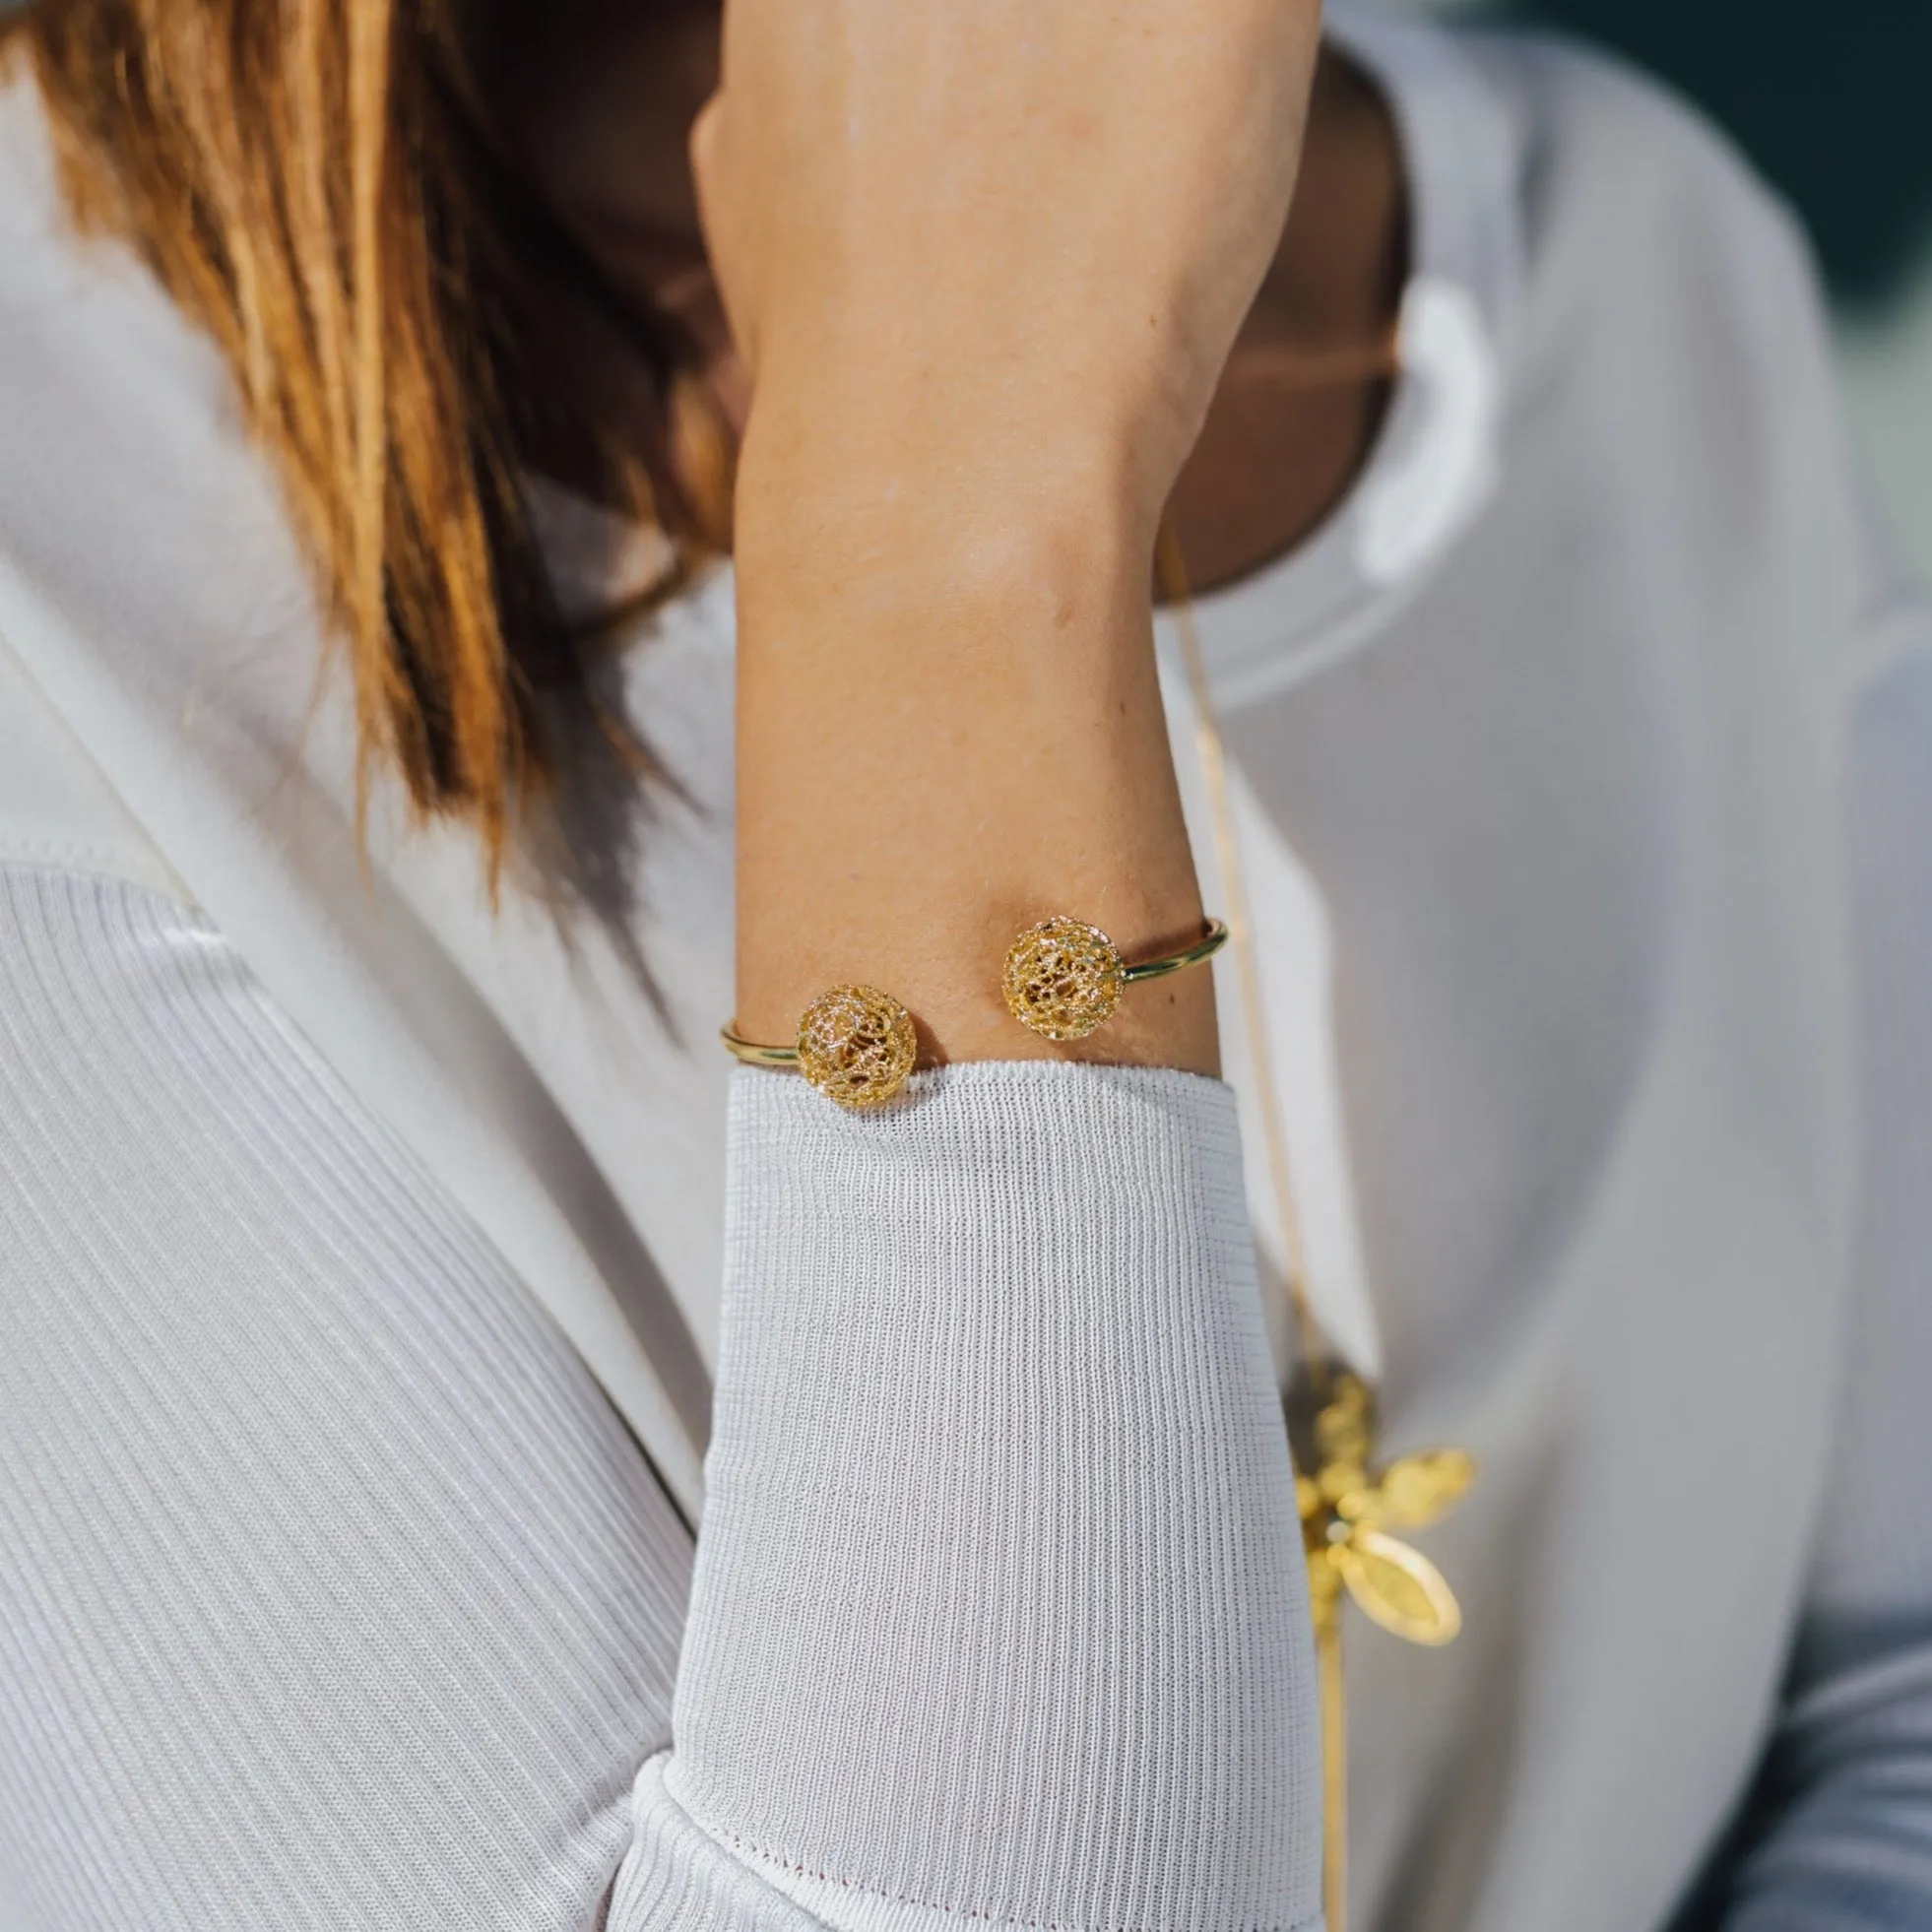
1063,978
753,1054
1214,936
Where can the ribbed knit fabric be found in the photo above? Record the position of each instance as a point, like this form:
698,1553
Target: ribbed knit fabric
999,1610
677,1876
332,1594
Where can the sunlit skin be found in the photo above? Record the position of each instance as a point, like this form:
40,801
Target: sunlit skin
965,433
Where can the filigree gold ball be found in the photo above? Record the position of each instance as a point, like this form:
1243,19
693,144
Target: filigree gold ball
1063,978
856,1046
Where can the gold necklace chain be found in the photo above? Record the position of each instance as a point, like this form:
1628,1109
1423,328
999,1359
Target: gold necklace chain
1347,1505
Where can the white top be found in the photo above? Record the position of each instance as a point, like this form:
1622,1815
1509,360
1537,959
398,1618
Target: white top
1586,773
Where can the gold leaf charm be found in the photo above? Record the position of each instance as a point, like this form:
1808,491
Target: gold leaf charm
1398,1587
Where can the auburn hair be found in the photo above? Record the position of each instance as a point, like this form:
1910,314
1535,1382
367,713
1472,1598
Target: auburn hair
319,185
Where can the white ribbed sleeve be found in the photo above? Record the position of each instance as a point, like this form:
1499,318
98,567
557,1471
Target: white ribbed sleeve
999,1612
332,1595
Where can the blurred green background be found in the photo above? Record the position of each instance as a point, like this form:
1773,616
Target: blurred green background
1833,104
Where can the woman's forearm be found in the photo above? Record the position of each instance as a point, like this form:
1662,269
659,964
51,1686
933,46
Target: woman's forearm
999,1609
949,725
986,265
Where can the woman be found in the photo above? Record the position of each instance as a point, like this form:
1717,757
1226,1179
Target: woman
364,1137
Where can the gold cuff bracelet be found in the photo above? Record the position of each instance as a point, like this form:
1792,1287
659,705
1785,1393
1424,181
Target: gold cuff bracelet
1063,978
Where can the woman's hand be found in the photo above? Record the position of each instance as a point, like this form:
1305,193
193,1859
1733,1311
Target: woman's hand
987,258
1052,215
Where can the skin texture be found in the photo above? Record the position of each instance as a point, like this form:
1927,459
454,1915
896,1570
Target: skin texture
972,404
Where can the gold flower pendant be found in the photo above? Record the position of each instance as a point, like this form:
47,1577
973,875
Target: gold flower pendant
1348,1507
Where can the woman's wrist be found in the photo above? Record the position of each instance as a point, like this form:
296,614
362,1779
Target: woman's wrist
949,728
835,458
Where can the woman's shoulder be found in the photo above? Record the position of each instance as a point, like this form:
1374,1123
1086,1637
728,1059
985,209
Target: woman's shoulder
143,547
1584,113
1614,171
47,266
1670,303
99,371
59,814
57,810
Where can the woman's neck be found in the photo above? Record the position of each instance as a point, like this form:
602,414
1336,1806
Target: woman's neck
1306,387
598,100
